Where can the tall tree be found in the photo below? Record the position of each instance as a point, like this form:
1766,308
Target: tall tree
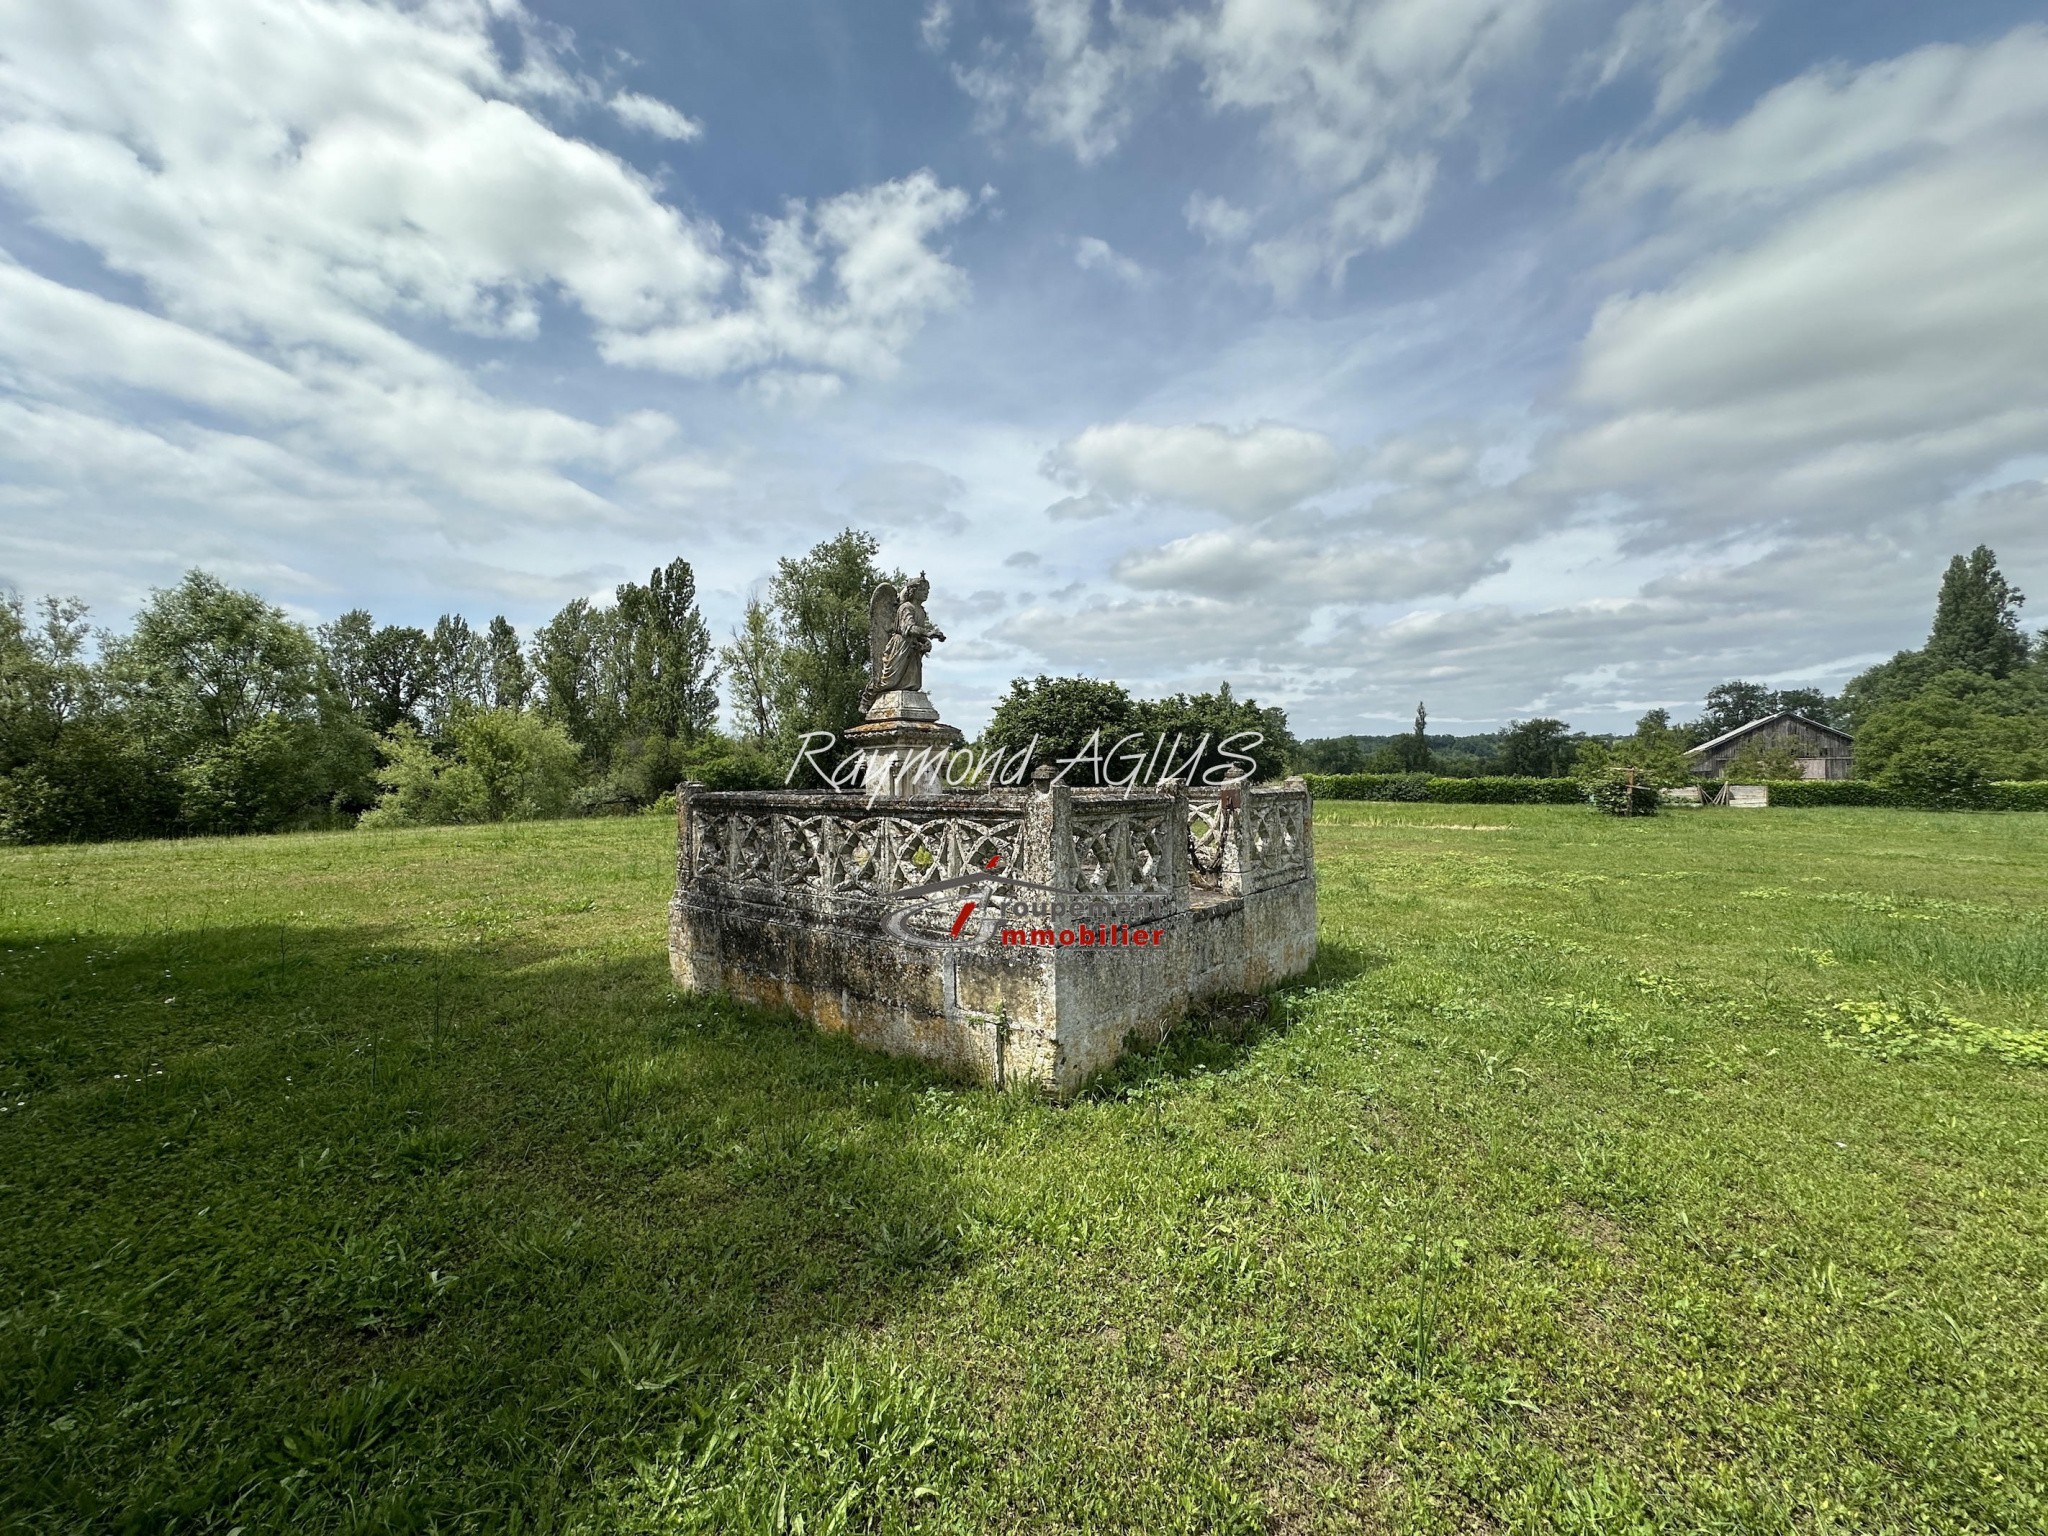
1732,704
1976,630
457,672
1536,749
506,676
1977,619
821,609
572,657
753,670
1221,717
238,696
398,663
1410,753
1810,702
386,675
1061,714
671,679
45,681
205,662
345,643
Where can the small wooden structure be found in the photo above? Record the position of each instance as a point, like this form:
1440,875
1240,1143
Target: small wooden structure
1823,751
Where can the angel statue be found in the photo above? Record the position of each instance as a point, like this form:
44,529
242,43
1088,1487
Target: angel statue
900,636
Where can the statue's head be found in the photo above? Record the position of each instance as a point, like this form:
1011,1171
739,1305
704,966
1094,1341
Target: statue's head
917,589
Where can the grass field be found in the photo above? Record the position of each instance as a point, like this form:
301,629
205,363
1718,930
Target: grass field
380,1182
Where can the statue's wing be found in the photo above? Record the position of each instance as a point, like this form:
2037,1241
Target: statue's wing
881,624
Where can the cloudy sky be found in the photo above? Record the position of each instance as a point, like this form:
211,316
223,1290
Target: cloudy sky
1525,356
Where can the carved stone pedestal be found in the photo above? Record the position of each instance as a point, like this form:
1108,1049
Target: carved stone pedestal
905,755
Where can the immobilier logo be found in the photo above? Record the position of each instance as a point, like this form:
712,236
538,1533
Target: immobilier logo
1009,912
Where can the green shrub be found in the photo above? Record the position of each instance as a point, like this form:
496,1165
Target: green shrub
1620,790
504,765
94,781
1937,776
1447,791
2023,796
734,765
1762,762
275,774
1506,791
1815,792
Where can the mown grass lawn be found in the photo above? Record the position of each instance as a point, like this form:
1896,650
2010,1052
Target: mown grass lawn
380,1182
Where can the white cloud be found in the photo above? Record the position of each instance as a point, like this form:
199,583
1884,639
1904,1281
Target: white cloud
1680,43
936,23
1243,474
1876,345
1832,127
1096,255
1354,94
654,116
1216,219
1372,215
839,288
1134,639
1342,561
349,166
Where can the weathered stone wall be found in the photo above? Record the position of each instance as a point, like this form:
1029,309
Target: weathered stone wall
781,899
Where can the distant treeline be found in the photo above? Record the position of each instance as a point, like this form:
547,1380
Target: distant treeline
217,712
1932,726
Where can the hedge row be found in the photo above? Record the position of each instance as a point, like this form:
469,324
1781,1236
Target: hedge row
1784,792
2031,796
1418,786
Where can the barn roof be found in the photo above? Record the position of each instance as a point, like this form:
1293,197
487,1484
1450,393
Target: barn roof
1756,725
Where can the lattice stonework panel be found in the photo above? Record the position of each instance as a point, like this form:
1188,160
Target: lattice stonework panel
976,842
857,856
918,850
709,856
851,855
1126,853
1276,835
804,857
1205,831
751,852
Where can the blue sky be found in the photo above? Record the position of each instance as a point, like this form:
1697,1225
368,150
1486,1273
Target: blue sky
1524,356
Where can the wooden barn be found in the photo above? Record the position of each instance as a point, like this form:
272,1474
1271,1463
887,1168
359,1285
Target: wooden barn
1823,751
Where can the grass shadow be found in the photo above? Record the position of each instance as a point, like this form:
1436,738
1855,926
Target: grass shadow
1338,961
1212,1038
319,1228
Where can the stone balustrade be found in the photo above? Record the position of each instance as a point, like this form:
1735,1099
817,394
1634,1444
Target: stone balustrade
797,900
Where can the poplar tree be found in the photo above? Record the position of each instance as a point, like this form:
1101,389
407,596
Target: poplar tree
1977,619
505,670
670,678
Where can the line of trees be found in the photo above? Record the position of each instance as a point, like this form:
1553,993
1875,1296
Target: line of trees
1106,734
217,712
1967,708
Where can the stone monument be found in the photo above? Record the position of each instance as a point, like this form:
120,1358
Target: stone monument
1014,934
903,744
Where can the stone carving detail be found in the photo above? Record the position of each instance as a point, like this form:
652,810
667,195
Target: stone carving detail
778,856
1277,831
1125,852
1205,836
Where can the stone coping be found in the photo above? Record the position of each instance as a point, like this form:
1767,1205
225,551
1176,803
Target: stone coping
956,799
